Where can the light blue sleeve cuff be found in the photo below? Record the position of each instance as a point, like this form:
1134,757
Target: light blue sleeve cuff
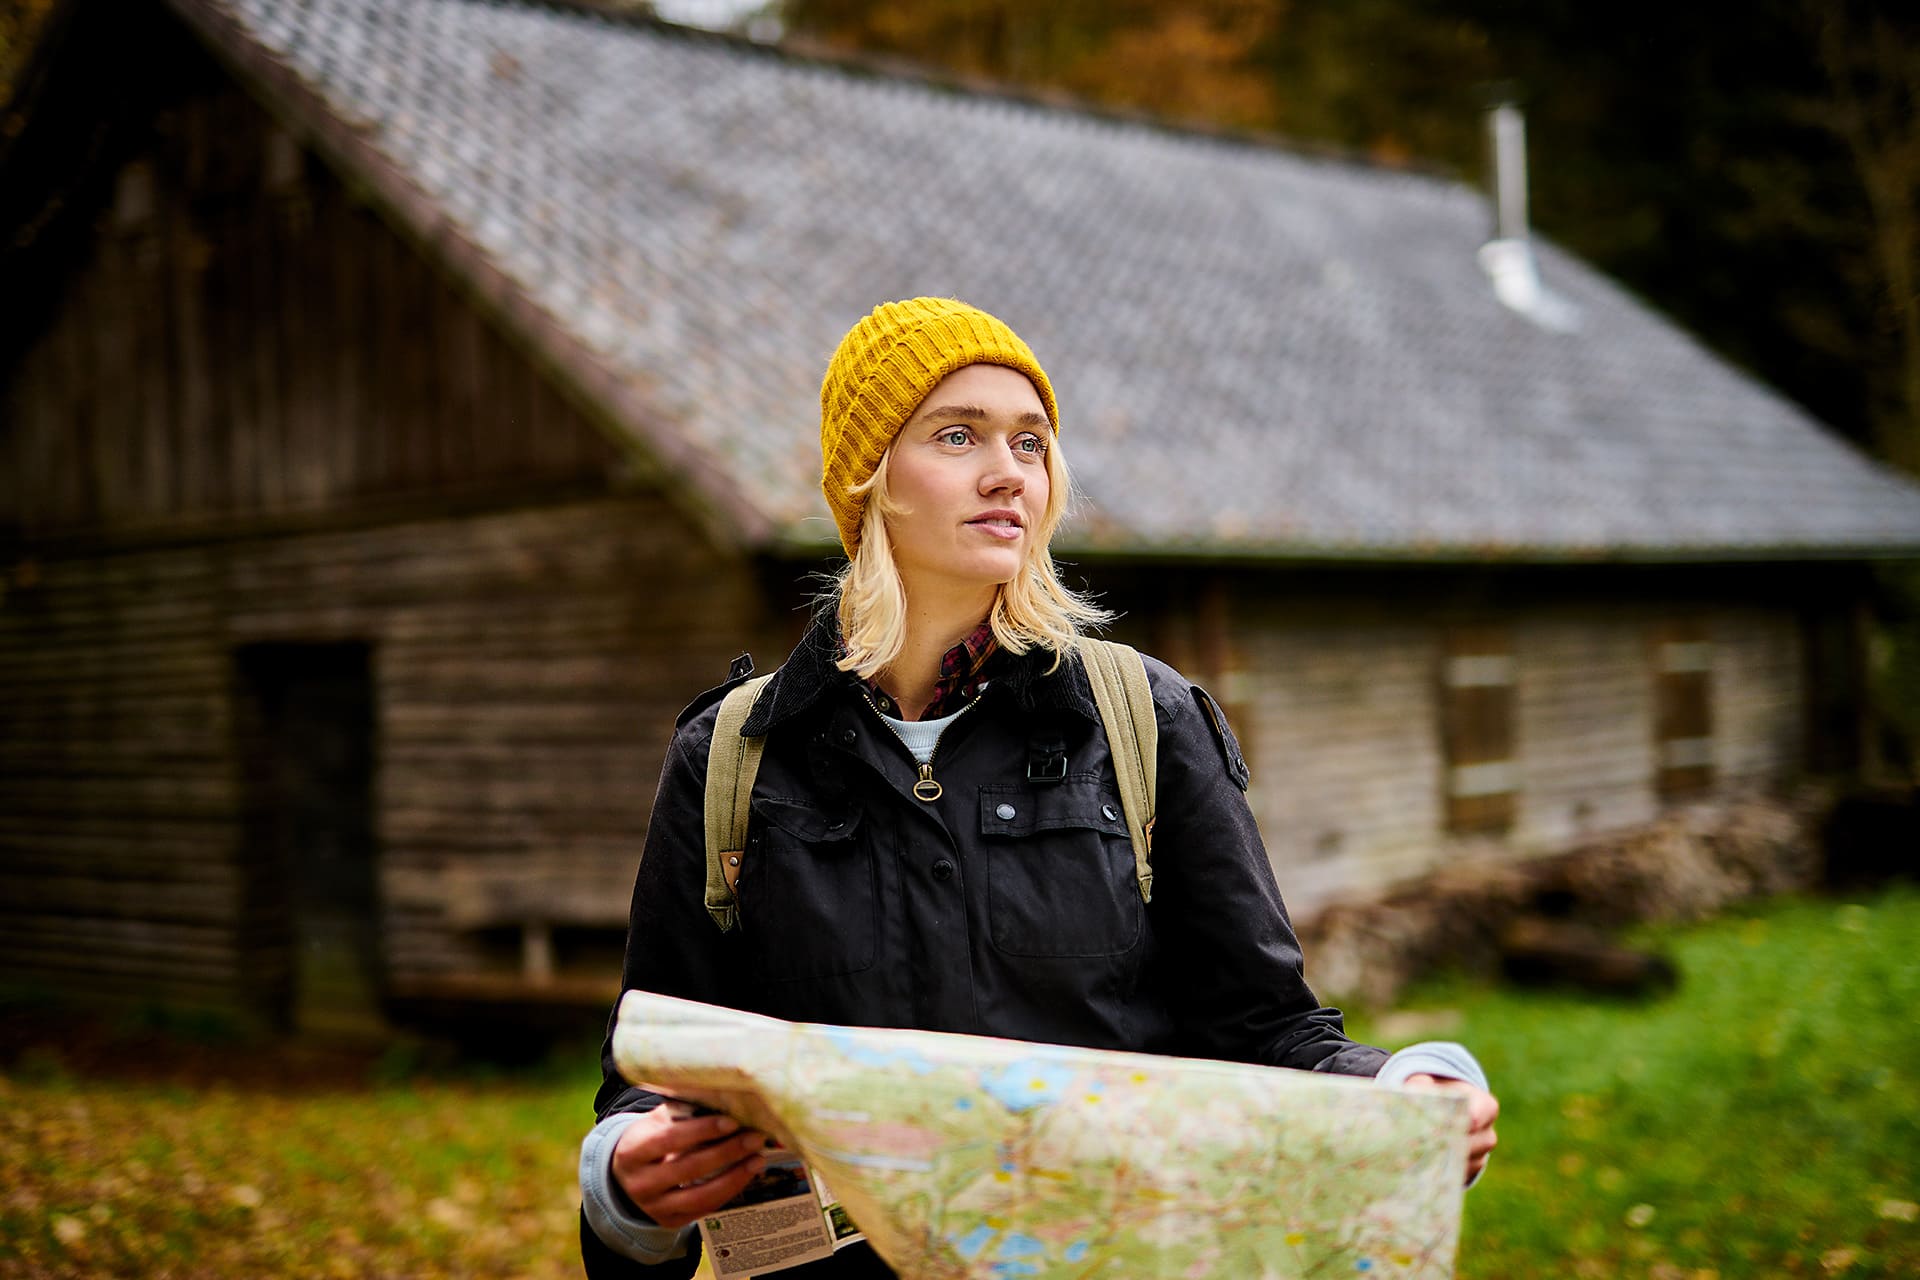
610,1214
1435,1058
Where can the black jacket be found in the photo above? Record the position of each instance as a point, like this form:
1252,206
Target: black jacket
1007,907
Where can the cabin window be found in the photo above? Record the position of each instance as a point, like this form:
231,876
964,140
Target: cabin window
1683,709
1482,776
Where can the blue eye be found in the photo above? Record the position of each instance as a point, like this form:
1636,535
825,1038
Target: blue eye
1031,445
955,437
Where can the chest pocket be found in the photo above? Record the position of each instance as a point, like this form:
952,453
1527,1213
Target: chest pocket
1060,876
806,891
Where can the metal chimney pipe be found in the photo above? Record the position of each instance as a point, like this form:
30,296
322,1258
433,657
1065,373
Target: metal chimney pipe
1508,258
1509,132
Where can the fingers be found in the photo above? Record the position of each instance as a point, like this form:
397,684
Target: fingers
677,1170
1475,1166
657,1134
1482,1110
681,1205
1482,1139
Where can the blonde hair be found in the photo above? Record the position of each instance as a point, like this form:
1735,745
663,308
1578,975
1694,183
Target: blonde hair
1032,610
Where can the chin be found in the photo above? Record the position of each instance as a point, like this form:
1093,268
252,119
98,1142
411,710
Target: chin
1002,570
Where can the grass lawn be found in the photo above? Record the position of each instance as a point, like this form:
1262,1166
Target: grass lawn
1764,1120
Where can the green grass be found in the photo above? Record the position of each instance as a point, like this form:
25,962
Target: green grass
1762,1121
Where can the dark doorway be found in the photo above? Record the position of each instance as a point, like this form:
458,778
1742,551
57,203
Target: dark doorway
305,722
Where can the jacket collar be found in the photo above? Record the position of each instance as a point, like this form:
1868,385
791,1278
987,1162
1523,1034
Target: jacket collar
809,674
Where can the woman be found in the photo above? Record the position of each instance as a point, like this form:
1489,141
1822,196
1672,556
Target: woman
906,864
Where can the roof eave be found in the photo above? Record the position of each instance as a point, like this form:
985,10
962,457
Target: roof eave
791,545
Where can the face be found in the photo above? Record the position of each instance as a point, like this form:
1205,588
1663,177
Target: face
968,474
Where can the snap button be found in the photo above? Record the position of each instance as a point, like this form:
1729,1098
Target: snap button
1106,811
848,737
943,870
1005,812
835,826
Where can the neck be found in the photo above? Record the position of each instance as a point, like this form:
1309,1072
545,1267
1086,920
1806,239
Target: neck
933,627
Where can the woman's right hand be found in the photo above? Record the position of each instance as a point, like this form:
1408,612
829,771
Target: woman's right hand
677,1171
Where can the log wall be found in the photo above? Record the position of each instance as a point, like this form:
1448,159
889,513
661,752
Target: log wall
1345,721
528,667
248,412
245,338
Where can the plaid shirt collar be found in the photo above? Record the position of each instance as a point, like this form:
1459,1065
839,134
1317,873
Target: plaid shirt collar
960,680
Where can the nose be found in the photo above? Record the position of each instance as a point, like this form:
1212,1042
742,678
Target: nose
1002,473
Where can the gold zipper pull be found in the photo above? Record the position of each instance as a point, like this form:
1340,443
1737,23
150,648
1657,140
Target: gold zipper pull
927,789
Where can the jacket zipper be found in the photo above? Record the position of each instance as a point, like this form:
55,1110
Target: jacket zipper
927,789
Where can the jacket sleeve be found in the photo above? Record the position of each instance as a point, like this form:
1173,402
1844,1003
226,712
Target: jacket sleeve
1229,949
673,947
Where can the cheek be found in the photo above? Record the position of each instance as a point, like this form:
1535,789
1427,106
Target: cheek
1040,489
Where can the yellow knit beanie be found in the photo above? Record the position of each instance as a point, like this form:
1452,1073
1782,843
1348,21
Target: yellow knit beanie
886,365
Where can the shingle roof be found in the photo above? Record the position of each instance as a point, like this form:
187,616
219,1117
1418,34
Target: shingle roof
1258,353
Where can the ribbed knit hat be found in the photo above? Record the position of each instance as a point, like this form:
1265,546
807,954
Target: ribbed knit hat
886,365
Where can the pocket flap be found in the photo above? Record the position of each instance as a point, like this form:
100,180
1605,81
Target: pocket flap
809,822
1083,800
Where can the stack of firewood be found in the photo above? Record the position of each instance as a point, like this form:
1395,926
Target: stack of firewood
1548,920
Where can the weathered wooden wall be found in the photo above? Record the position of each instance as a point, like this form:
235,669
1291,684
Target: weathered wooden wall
528,667
255,414
245,338
1338,703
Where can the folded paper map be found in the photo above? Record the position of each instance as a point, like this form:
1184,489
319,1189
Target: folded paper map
965,1156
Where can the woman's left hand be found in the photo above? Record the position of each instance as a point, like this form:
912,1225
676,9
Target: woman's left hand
1482,1110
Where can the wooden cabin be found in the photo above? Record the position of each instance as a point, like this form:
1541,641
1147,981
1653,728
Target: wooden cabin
406,406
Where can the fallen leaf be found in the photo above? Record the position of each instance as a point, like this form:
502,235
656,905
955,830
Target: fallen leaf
1639,1216
1835,1261
1899,1210
67,1230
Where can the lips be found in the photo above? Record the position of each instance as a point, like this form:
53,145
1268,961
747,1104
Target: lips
999,524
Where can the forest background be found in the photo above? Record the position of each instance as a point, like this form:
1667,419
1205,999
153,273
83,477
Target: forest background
1750,169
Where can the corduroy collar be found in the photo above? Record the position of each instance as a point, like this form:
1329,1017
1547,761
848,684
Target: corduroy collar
809,674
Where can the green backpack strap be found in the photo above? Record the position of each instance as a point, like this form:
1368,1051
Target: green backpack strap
1125,699
733,761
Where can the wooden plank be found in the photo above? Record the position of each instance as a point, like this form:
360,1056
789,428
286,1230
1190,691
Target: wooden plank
72,464
26,402
461,406
145,796
112,441
150,967
300,326
154,358
54,852
159,901
21,932
341,294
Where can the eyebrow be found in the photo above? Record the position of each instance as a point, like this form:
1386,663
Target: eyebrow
974,413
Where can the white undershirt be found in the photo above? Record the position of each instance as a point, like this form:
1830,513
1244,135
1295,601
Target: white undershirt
921,736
